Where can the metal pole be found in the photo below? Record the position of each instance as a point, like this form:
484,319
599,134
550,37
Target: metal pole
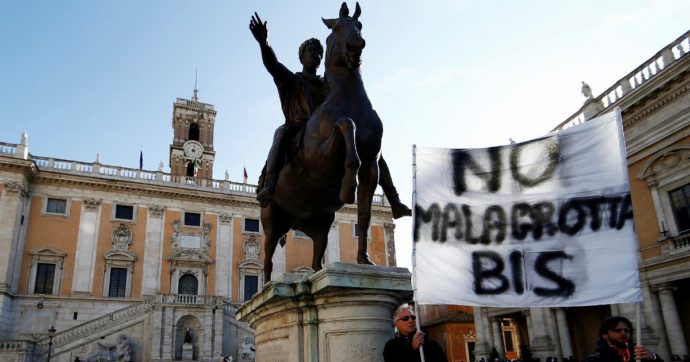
51,332
414,246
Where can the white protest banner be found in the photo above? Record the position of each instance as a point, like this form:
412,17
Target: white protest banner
541,223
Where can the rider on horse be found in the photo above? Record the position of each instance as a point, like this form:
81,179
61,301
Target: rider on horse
300,94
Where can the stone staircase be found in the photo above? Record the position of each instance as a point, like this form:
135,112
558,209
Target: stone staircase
93,329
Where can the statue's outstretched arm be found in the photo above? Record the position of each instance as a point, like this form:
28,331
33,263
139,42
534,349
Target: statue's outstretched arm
260,31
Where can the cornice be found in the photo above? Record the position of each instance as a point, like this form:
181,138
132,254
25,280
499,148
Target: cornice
169,191
661,102
26,167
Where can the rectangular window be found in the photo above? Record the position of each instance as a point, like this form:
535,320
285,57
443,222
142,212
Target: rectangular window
56,206
192,219
680,202
124,212
45,277
118,283
251,286
251,225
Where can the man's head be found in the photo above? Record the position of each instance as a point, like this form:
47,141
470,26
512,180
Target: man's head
404,320
616,330
310,54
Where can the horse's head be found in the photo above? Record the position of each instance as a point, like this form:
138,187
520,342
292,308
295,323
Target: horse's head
345,43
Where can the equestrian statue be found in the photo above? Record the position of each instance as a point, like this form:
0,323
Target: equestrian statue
328,152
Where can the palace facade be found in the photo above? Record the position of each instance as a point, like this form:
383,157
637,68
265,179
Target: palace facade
655,103
146,264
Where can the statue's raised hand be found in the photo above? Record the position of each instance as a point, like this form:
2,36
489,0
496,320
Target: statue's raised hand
259,29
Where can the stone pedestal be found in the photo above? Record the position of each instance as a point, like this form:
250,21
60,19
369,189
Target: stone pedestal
341,313
187,352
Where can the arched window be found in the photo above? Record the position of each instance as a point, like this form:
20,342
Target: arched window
194,132
188,285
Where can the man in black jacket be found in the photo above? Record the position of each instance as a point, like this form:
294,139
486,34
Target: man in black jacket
405,345
615,345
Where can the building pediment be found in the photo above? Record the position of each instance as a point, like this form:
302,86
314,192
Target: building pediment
48,252
124,255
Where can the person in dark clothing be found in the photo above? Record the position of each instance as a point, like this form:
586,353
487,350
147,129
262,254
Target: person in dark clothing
615,344
405,345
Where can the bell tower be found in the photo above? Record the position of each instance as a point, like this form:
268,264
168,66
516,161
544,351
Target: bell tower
191,152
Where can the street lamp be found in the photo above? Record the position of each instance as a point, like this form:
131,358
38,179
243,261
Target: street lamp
51,333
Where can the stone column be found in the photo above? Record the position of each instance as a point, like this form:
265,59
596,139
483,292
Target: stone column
564,334
85,258
542,344
498,338
674,329
481,348
653,333
153,247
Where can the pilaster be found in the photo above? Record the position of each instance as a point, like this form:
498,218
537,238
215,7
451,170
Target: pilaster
12,205
85,258
153,247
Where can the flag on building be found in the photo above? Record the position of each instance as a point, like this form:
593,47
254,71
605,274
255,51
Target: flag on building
245,175
196,167
542,223
141,160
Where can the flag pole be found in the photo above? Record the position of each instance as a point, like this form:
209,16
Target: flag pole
418,322
638,321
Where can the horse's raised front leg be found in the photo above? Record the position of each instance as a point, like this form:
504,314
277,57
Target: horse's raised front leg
368,179
275,223
347,127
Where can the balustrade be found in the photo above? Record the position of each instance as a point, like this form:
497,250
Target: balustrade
629,83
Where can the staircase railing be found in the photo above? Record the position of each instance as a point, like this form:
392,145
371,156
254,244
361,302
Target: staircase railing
98,324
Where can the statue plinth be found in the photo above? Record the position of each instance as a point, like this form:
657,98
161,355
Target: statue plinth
341,313
187,352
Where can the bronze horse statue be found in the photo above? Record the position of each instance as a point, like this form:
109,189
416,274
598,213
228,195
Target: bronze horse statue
339,155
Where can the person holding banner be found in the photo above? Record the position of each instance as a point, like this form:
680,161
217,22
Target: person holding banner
615,343
405,345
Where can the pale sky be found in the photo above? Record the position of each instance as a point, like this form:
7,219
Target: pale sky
82,77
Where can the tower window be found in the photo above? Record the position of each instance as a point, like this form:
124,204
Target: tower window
190,169
194,132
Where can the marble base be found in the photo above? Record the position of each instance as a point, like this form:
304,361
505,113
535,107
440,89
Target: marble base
341,313
187,352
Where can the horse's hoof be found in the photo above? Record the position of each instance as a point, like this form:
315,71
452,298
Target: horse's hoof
364,259
399,210
347,191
